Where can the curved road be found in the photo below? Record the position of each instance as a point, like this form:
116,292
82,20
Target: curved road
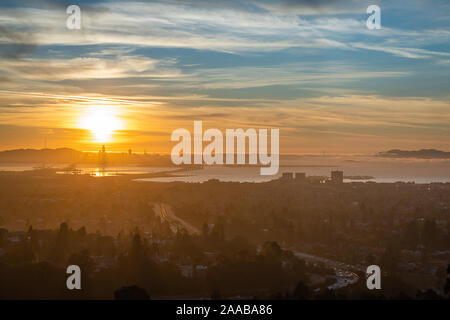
344,274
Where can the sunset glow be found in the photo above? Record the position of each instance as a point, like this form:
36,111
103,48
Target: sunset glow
133,74
102,122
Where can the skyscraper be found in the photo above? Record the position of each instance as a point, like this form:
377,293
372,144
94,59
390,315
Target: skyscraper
337,176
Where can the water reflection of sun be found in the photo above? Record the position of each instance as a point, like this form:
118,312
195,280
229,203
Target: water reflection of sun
101,121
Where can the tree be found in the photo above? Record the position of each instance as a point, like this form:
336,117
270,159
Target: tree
429,294
447,283
272,249
131,293
389,259
205,230
429,232
301,291
61,244
411,234
216,295
328,294
217,232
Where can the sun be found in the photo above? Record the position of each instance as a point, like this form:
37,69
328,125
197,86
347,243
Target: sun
102,121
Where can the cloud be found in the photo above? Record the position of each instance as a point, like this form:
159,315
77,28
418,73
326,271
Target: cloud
284,75
21,43
412,53
314,7
89,68
225,27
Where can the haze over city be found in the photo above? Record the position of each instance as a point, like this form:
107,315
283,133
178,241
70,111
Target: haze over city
135,162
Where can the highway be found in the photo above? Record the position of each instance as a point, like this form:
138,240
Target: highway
166,213
344,272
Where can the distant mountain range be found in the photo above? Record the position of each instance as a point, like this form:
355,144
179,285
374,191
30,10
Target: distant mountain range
71,156
62,155
419,154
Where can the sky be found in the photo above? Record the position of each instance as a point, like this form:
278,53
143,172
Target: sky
136,71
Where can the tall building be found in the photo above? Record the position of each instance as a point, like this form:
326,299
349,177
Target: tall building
337,176
102,156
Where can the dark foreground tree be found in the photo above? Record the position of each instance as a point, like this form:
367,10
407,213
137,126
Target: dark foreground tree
301,291
429,294
216,295
447,283
131,293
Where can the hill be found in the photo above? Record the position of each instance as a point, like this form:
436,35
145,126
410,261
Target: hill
419,154
71,156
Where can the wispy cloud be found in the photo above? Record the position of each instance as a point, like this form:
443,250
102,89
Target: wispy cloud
206,27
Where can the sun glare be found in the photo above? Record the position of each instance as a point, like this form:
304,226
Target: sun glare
102,121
